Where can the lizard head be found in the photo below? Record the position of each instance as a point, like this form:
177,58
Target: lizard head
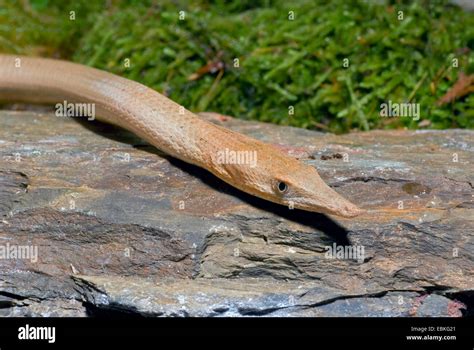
281,179
304,189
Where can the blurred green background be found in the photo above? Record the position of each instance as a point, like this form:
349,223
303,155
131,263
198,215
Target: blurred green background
290,69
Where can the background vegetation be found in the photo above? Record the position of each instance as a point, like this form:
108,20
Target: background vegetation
284,65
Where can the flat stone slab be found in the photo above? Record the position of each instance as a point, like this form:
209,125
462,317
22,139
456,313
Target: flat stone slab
120,227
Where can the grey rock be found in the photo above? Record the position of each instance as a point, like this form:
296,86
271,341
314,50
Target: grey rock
118,226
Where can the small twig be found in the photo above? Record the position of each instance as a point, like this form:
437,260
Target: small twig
355,101
210,94
417,86
320,126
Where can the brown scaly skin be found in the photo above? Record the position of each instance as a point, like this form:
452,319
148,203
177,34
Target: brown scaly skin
275,176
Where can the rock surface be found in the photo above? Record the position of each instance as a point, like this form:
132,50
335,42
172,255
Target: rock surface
121,228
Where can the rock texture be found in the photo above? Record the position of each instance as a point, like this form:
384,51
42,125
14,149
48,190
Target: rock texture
121,228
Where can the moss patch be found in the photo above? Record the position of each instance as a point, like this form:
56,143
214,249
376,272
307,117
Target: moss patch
251,60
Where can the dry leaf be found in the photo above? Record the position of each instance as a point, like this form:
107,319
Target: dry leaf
462,87
211,67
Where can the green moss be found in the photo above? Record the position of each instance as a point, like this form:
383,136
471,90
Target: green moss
284,65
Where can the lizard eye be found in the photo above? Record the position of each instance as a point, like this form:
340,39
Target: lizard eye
282,187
